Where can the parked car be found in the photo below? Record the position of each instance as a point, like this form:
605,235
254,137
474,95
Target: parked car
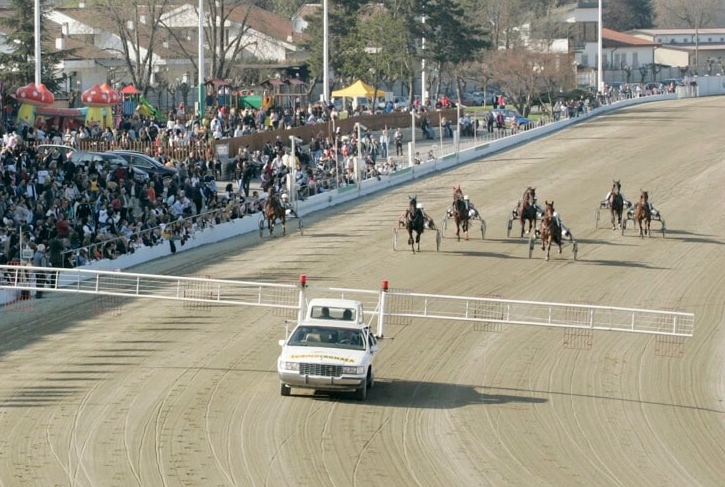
671,84
655,86
108,159
146,163
47,148
473,99
510,115
400,103
675,81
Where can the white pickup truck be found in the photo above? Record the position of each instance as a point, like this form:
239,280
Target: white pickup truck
330,350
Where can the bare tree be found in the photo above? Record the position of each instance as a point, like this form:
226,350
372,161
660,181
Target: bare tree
655,68
226,47
627,68
553,76
691,14
517,71
643,71
138,35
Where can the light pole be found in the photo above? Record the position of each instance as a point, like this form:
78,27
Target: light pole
291,176
38,78
200,46
325,53
360,128
422,68
600,74
440,128
458,129
411,150
697,48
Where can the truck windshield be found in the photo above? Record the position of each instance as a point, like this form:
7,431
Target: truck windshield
332,313
328,337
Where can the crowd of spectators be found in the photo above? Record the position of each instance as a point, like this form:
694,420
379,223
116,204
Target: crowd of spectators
79,213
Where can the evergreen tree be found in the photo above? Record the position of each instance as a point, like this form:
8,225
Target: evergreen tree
624,15
19,63
340,26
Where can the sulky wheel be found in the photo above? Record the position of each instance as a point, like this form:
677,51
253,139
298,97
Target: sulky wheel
395,238
624,225
576,249
509,227
439,237
301,226
261,227
597,216
532,244
444,225
663,228
483,229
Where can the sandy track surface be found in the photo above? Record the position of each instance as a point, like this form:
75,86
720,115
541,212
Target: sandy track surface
159,395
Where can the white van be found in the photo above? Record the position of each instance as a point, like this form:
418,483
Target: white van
332,349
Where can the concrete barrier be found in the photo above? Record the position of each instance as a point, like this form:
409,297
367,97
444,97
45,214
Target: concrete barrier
332,198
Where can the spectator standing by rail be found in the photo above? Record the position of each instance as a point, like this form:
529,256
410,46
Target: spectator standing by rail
398,142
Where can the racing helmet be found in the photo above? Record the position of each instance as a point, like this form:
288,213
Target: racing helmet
465,197
285,196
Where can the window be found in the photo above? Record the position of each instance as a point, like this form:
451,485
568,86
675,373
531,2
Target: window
585,60
588,31
635,60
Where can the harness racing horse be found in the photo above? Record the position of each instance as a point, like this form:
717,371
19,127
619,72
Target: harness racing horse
527,210
550,230
460,212
414,222
616,203
274,210
643,214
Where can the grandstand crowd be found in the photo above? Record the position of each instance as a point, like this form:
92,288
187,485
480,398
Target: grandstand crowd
78,213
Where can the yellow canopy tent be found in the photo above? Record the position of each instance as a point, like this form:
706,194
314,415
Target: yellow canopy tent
361,94
358,89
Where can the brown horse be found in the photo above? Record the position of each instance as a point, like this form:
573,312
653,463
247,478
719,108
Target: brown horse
274,210
616,203
550,230
527,209
643,214
460,212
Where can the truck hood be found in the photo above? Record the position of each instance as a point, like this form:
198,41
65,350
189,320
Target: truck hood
322,355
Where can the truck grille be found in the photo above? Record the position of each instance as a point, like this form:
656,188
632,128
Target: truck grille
321,370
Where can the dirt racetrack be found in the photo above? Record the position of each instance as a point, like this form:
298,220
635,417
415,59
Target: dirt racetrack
158,395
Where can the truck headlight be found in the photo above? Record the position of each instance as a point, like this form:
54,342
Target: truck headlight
293,366
353,370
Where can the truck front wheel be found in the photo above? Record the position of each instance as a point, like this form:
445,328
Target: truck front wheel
362,393
284,389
